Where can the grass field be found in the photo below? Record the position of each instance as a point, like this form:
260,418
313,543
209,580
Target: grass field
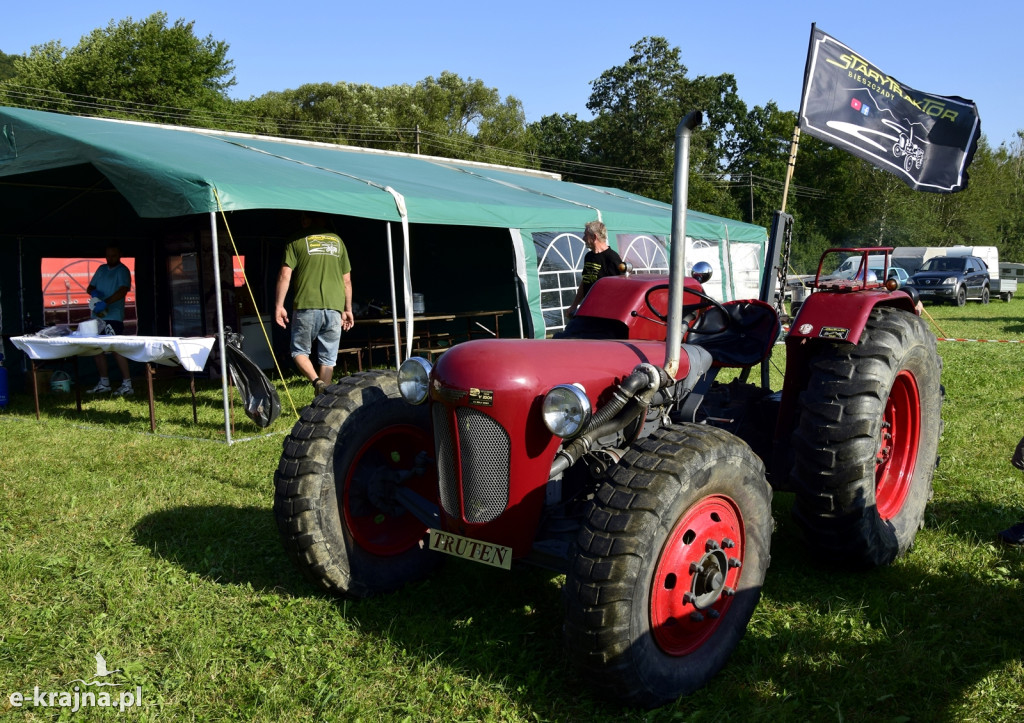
159,551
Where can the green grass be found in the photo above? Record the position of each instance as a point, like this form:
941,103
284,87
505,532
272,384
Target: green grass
160,552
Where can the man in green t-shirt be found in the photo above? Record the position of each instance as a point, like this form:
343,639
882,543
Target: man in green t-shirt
318,263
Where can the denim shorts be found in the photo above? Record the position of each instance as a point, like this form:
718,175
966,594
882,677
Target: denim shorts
324,325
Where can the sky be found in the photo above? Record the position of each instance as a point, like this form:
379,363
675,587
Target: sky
546,54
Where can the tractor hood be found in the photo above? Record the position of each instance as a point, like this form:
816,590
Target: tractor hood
487,369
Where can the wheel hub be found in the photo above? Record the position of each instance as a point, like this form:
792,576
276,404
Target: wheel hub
708,579
379,523
697,575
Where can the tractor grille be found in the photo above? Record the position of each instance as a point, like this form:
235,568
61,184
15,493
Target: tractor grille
483,457
445,445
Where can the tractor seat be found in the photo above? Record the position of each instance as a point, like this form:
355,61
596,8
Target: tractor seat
746,340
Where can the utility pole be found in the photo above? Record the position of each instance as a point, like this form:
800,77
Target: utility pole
751,179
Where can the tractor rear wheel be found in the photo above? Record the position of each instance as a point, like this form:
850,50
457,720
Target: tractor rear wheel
335,502
866,445
668,565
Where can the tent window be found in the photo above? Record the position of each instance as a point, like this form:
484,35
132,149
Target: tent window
559,269
646,253
64,284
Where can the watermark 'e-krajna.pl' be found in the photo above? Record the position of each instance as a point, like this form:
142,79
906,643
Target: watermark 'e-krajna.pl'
79,697
76,699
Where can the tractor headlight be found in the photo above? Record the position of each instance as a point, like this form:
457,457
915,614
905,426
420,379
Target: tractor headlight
414,380
566,410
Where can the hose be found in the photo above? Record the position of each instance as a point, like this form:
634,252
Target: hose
646,377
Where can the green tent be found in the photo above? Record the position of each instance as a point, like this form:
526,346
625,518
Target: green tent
173,171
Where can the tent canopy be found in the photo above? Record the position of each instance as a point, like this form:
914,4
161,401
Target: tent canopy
167,171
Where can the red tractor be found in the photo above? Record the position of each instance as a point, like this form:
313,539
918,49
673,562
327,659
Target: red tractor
614,456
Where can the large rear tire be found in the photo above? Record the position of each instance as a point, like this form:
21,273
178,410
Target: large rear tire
668,566
334,496
866,444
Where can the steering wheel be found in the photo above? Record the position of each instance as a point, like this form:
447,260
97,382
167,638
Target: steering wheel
706,302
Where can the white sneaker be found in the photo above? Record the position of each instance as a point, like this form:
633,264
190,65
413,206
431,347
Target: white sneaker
100,388
125,390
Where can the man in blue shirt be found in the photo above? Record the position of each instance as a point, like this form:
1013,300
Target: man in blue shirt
109,285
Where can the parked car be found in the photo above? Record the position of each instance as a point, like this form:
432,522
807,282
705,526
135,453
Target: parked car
954,279
851,269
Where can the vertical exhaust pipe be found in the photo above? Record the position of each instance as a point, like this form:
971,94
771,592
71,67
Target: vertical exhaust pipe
677,245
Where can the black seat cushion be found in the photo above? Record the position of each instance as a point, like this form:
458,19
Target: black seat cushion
748,338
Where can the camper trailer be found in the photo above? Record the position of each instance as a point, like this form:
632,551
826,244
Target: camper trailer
1009,275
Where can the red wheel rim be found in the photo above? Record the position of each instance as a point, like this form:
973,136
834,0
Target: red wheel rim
897,451
697,575
390,530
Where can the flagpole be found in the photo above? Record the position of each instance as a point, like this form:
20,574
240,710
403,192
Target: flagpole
795,146
792,163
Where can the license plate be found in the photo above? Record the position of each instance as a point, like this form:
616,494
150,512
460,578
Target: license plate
457,546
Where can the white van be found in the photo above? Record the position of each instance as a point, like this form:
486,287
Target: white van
851,268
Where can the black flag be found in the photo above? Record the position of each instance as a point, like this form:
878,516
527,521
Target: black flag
927,140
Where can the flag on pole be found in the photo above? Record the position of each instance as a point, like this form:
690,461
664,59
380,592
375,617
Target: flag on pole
927,140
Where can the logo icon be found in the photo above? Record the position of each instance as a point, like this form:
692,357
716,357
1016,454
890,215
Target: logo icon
101,672
83,693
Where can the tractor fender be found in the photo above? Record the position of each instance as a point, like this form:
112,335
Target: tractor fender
842,316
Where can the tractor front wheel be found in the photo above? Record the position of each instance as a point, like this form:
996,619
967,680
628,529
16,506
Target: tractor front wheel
866,445
668,566
335,496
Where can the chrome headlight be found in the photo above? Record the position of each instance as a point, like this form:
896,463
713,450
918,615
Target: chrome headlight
566,410
414,380
949,281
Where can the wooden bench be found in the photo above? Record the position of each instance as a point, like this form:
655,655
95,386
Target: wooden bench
343,355
432,346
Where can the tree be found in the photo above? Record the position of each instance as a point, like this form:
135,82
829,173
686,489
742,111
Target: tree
147,67
561,143
6,66
444,116
758,173
638,106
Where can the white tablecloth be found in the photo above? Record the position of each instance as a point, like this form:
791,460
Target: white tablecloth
189,352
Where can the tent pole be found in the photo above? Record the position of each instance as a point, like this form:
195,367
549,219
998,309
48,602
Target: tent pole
519,308
407,283
394,307
220,326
